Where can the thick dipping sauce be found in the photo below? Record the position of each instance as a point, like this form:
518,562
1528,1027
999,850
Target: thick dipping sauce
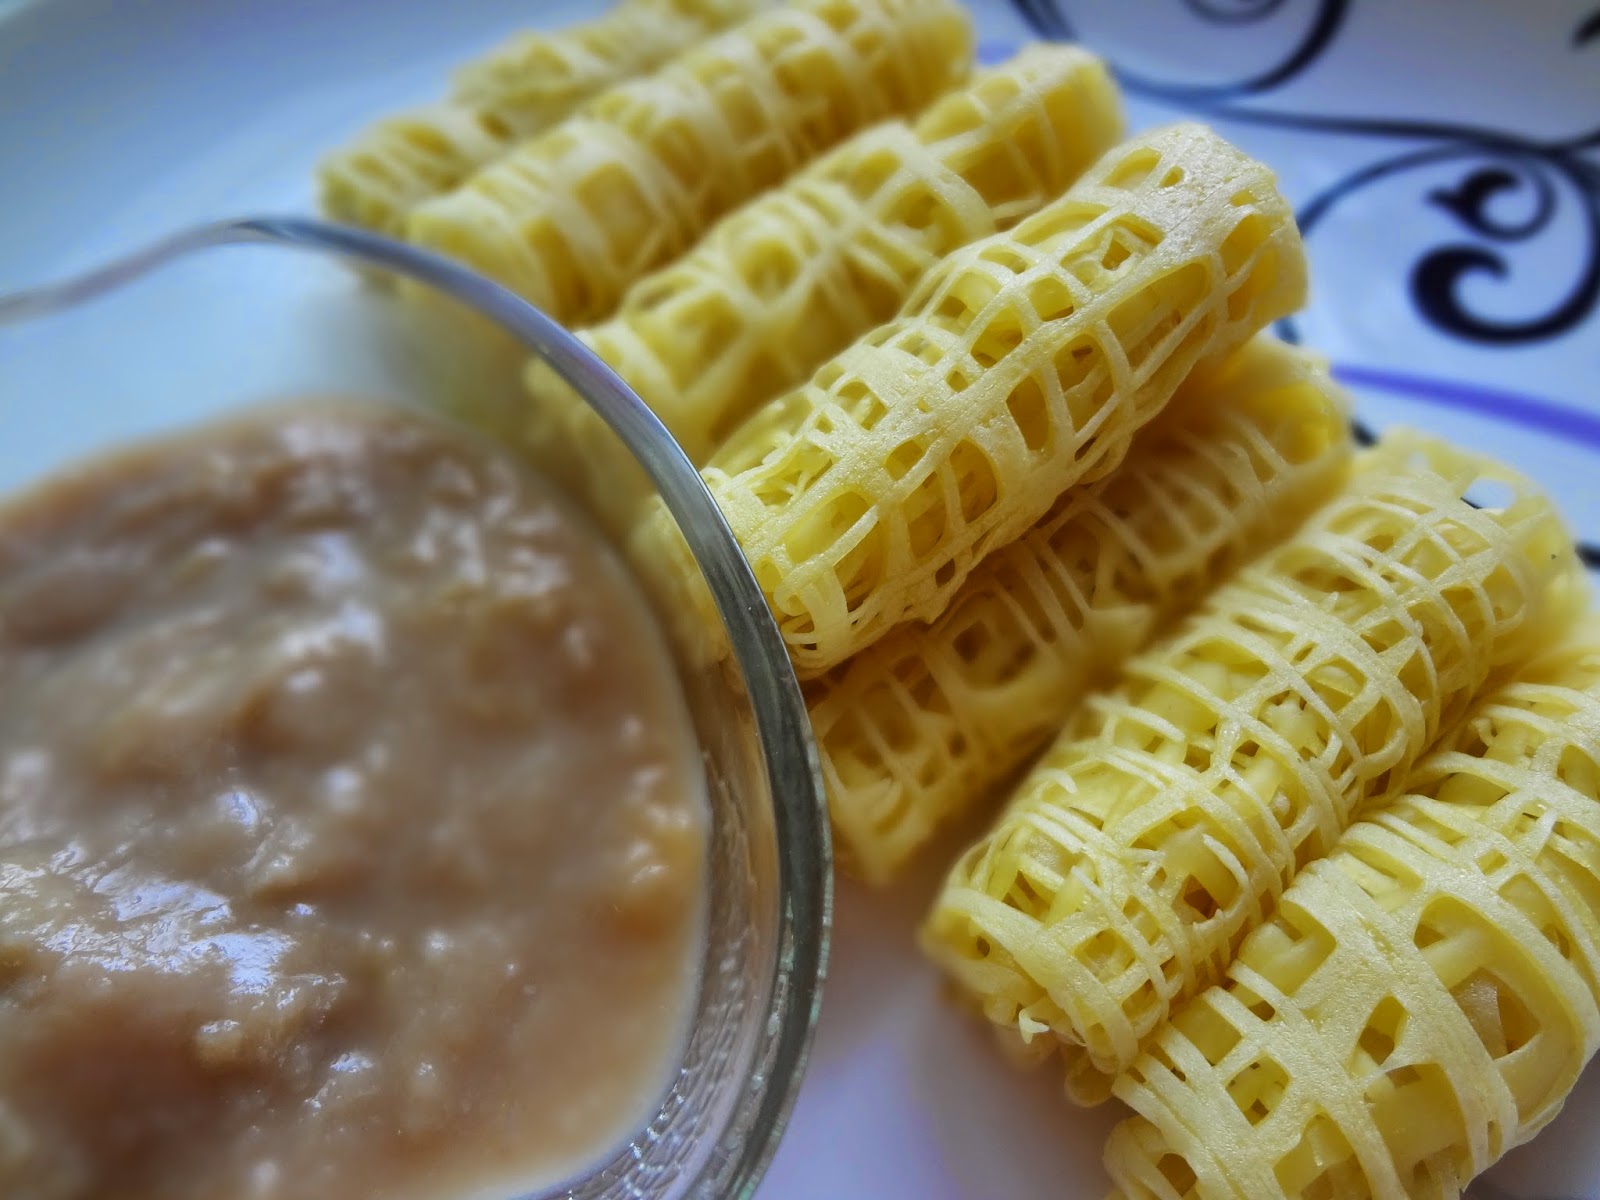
352,834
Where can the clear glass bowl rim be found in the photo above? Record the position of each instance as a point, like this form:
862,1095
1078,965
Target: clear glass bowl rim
800,819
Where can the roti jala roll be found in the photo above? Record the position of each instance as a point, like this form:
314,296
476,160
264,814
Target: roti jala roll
514,91
798,273
1425,997
1165,823
570,218
920,728
1023,365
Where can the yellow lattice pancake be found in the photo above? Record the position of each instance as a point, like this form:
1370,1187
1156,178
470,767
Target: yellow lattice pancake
1426,995
1022,365
920,727
402,160
534,79
516,90
570,218
795,275
1156,833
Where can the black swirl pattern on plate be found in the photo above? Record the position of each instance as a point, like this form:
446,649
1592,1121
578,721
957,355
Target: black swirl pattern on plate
1494,162
1588,29
1048,19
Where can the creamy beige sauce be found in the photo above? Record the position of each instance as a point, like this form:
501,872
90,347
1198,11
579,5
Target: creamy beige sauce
351,832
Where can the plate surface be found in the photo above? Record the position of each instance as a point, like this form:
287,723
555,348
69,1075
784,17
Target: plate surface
1445,161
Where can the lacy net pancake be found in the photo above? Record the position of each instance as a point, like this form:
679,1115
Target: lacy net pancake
921,726
1022,365
1162,826
1425,997
516,90
797,274
570,218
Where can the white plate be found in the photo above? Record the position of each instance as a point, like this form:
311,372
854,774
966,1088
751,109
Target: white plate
1449,158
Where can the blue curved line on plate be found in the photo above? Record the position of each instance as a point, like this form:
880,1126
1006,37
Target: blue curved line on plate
1528,411
1464,397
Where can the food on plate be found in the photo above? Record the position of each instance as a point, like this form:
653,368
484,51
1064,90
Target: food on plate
352,831
1022,365
795,275
391,167
1423,999
920,728
985,398
570,218
516,90
538,77
1165,823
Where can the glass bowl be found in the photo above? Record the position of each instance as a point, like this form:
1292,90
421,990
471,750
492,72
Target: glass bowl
251,310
